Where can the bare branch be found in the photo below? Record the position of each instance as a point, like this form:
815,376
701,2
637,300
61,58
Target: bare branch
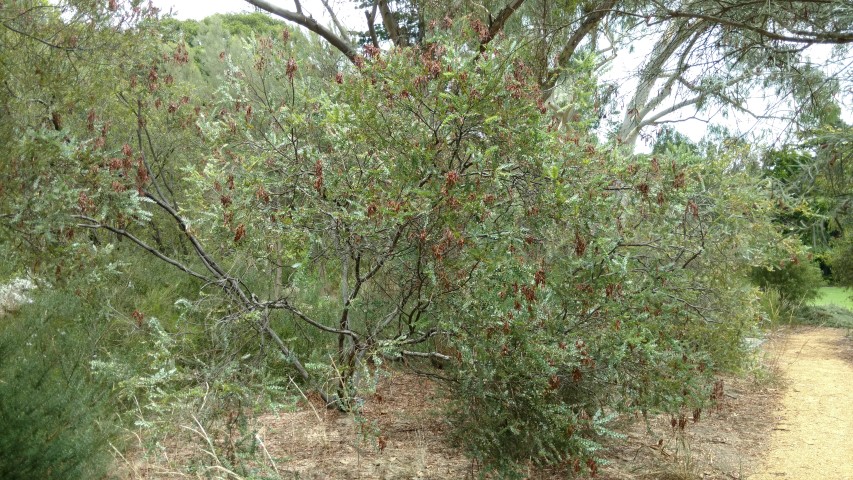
45,42
497,24
409,353
283,304
371,20
338,25
94,224
831,38
300,19
676,35
678,106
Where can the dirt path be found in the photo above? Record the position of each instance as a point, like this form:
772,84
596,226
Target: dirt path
813,435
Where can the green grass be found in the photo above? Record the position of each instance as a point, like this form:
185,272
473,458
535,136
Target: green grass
837,296
832,308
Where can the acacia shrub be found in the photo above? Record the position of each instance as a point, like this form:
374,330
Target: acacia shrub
423,195
618,285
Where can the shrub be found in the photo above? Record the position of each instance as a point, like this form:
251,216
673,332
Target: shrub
797,281
54,418
841,259
826,316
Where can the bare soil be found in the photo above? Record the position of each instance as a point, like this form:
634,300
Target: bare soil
794,423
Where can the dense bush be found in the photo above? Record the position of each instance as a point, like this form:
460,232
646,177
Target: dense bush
340,218
841,258
55,418
796,280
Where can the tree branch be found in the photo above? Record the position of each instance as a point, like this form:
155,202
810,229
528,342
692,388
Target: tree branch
371,20
831,38
45,42
300,19
285,305
391,25
670,109
94,224
497,24
589,23
338,25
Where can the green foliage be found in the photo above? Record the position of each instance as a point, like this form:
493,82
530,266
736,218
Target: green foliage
797,281
555,325
57,421
841,260
235,210
826,316
776,311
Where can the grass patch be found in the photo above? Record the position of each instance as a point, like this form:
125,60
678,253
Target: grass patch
834,296
833,307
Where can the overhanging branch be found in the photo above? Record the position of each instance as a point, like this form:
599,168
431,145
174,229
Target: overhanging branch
497,24
308,22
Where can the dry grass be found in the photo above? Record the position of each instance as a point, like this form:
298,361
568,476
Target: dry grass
396,436
399,435
726,443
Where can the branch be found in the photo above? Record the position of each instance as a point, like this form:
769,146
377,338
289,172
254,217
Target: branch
292,358
497,24
670,109
391,25
371,19
300,19
830,38
284,304
182,224
440,356
139,123
94,224
681,67
45,42
589,23
337,23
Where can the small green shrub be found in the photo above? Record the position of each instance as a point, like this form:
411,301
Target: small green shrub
796,281
55,420
775,310
841,260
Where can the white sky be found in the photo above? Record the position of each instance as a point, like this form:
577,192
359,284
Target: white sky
198,9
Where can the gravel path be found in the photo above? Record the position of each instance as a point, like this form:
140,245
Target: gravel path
813,435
